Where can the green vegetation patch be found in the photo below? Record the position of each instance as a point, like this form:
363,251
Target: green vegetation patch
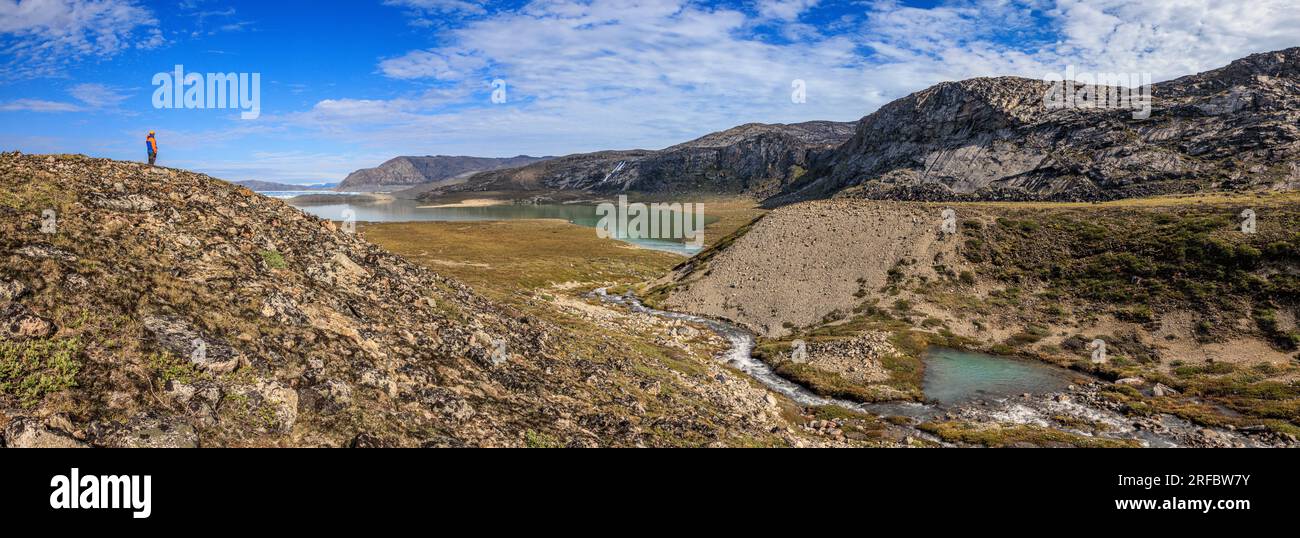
1136,260
905,366
534,439
30,370
1007,435
167,367
274,259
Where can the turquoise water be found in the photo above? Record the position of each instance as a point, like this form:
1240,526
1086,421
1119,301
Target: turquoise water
953,376
412,211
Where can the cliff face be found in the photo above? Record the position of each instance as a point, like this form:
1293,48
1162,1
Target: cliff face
994,138
403,172
752,158
145,306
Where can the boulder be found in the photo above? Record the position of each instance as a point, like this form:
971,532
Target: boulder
28,433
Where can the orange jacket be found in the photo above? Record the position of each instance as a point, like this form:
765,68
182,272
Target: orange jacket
151,144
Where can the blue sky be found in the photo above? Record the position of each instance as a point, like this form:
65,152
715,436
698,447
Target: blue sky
349,84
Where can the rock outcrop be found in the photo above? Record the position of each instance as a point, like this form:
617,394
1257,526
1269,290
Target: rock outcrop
149,306
1234,128
754,159
403,172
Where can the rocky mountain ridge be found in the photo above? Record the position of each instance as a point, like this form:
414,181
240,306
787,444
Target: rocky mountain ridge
751,158
402,172
1233,128
264,186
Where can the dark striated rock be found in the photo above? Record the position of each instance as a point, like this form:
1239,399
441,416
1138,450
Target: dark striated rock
1233,128
403,172
751,158
366,440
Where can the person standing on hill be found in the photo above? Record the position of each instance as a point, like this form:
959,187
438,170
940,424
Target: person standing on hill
151,144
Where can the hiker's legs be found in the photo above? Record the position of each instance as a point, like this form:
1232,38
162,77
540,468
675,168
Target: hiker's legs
152,158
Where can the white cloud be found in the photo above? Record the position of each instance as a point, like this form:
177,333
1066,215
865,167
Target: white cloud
43,36
98,95
1168,39
445,65
610,74
439,6
785,9
37,105
1173,37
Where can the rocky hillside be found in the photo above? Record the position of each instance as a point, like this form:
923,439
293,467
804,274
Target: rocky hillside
1187,303
147,306
403,172
795,266
753,158
1232,128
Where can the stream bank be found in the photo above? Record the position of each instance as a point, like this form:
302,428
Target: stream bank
1076,409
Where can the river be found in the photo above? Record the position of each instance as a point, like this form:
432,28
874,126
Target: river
963,384
399,210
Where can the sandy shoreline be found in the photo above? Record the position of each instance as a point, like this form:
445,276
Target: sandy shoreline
327,199
472,202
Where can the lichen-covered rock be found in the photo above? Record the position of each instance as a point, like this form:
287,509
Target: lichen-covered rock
168,308
146,431
752,158
411,171
1233,128
28,433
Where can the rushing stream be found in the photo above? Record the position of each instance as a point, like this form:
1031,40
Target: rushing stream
740,356
951,387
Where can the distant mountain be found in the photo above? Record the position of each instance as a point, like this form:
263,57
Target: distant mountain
751,158
403,172
266,186
1233,128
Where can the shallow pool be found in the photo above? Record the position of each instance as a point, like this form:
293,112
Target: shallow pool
954,377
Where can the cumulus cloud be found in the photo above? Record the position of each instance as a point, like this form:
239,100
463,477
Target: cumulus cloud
1170,38
785,9
439,6
1026,37
37,105
42,36
447,65
600,74
649,65
98,95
